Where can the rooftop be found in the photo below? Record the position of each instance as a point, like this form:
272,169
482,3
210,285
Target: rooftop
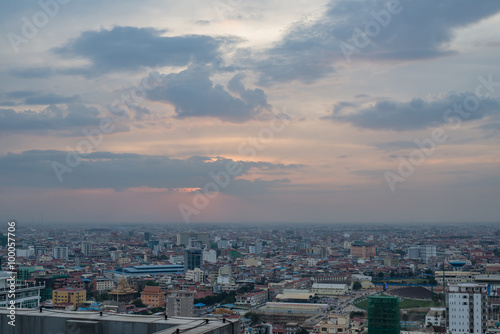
61,321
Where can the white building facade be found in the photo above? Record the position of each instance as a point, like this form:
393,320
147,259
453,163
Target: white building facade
467,308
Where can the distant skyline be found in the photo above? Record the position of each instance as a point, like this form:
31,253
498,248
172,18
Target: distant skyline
238,111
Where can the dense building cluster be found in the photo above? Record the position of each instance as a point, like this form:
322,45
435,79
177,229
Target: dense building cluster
279,279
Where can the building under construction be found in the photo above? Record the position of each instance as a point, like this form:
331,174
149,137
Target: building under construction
383,315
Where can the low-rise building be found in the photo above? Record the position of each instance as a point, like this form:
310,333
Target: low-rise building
69,295
103,284
195,275
334,324
435,316
252,299
323,289
153,296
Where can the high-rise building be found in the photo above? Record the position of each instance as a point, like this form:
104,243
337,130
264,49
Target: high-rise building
27,293
40,250
423,252
223,244
225,275
362,250
180,303
60,253
210,255
383,315
413,252
87,248
147,236
193,259
466,306
426,252
259,248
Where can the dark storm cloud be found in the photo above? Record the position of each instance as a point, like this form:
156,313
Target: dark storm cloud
51,118
101,170
415,30
129,48
416,114
193,94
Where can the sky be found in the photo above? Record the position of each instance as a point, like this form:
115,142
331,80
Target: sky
326,111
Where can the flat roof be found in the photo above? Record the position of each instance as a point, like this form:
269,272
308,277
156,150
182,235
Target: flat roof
329,286
185,325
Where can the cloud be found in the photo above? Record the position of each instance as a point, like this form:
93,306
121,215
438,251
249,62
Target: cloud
415,30
202,22
51,99
51,118
130,48
34,72
193,94
396,145
21,94
8,104
416,114
102,170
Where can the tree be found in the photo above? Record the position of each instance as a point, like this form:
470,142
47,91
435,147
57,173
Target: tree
380,275
246,288
356,314
254,318
138,303
102,296
357,285
302,331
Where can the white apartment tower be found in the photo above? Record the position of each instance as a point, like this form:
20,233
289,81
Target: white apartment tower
87,248
60,252
466,306
210,255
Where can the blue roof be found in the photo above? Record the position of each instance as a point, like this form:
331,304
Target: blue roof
199,305
228,305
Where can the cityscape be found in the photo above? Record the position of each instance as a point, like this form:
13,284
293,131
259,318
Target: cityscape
276,279
250,167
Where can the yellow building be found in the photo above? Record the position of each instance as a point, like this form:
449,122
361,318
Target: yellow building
69,295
